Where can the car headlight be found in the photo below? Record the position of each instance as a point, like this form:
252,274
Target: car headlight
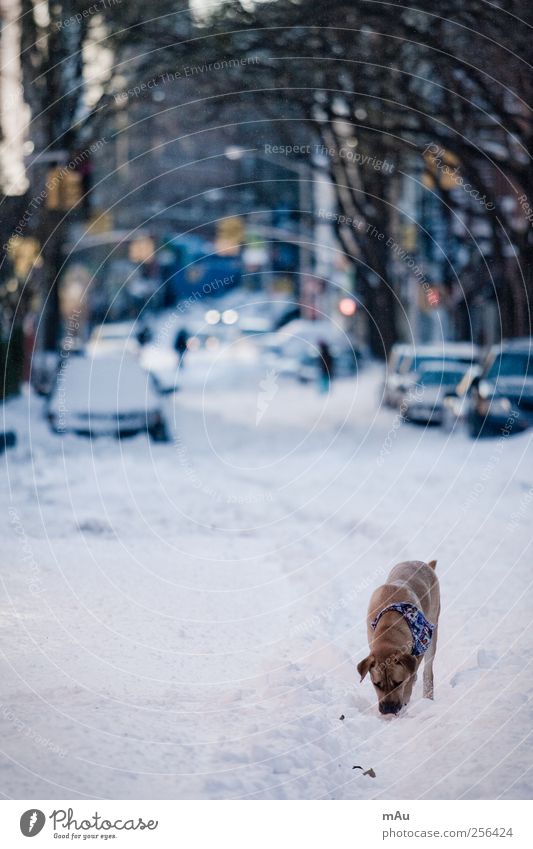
230,316
500,405
496,406
485,389
453,404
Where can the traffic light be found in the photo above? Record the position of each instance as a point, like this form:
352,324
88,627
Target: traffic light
141,249
444,168
71,189
52,188
24,253
63,189
430,297
231,234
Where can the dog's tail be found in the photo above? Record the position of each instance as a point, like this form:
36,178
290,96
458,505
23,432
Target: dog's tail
433,564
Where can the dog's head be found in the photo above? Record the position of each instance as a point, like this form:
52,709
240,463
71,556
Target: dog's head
393,678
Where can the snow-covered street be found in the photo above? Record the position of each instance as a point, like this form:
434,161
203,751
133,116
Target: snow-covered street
184,620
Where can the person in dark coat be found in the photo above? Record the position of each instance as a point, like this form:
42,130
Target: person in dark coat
325,366
144,335
180,344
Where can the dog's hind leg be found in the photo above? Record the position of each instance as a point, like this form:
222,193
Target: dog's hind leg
428,668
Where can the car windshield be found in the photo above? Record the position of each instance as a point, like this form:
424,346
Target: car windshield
436,378
399,363
512,365
414,363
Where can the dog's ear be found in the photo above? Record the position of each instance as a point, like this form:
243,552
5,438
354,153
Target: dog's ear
409,661
365,665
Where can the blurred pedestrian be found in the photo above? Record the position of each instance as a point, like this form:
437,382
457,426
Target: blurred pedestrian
144,335
180,345
325,366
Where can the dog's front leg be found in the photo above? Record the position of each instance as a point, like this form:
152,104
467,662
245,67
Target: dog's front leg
428,668
428,679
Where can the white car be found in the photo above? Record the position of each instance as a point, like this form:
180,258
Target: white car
294,349
115,337
95,396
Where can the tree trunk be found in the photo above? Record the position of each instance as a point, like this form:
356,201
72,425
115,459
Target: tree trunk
52,240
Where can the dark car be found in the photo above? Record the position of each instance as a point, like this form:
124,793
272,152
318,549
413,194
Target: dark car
502,397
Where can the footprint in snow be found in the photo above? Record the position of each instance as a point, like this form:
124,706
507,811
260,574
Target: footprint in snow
486,660
96,527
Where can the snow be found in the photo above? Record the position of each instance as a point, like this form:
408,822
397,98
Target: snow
184,620
103,385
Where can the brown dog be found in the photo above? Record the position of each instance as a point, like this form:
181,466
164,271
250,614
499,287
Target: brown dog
402,625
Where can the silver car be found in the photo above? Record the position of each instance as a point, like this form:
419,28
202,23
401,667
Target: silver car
423,400
406,360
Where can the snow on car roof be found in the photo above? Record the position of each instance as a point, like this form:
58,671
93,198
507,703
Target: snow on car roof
312,330
457,349
521,344
114,329
442,365
103,385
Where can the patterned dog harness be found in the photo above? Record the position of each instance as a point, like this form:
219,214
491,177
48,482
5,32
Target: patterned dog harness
421,629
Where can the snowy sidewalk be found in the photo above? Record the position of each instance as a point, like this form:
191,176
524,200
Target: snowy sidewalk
185,620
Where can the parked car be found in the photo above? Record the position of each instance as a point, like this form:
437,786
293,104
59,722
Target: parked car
424,398
114,337
162,363
406,360
503,393
394,375
44,365
294,350
456,403
265,317
96,396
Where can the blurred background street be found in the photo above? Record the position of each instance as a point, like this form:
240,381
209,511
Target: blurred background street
265,284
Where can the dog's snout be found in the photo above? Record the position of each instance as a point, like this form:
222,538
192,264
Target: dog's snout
389,707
